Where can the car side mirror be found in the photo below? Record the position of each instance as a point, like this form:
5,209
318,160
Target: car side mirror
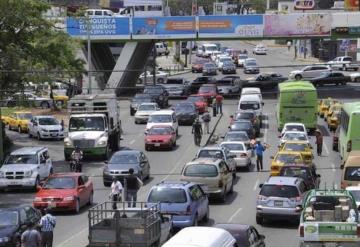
261,185
318,175
342,166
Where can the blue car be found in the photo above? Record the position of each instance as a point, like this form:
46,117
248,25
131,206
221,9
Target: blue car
185,201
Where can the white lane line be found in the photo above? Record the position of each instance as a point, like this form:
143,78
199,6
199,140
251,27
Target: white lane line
326,149
256,184
72,237
132,142
333,167
233,216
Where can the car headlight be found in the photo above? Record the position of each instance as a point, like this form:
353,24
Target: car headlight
67,142
28,173
102,142
4,239
37,199
69,198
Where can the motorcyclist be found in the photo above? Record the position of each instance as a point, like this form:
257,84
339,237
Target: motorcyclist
197,131
76,156
116,192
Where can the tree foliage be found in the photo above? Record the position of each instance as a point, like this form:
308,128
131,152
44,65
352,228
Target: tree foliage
30,42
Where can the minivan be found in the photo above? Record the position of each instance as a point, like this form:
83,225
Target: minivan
201,236
163,117
351,170
252,102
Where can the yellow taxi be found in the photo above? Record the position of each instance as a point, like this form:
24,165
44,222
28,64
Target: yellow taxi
282,158
336,106
19,121
324,105
303,147
333,121
61,99
5,119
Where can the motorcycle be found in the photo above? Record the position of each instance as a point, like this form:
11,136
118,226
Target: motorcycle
75,165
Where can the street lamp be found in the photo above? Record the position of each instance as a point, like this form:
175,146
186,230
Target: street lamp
89,55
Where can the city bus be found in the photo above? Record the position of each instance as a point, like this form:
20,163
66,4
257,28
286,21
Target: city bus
349,136
297,102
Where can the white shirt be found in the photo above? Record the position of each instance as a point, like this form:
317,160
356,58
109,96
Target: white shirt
116,187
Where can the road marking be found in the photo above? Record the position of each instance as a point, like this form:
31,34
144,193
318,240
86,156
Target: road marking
132,141
333,167
233,216
256,184
326,149
72,237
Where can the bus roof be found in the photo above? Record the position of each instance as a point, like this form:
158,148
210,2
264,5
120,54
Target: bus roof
351,107
328,192
296,86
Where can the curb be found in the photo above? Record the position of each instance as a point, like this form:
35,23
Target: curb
213,130
313,60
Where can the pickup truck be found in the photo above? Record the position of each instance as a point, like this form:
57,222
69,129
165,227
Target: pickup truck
329,217
343,63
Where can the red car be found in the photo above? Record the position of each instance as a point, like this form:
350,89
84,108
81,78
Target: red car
197,66
159,136
209,91
199,101
65,192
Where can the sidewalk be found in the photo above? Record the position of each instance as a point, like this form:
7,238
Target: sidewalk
168,63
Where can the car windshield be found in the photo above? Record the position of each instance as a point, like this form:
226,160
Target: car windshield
202,170
147,108
86,124
245,115
356,194
167,195
288,158
159,131
22,159
209,65
160,119
243,56
184,107
249,105
234,146
295,136
352,174
279,191
251,63
153,90
294,128
27,116
195,98
207,90
295,146
301,172
211,48
9,218
211,154
240,126
60,183
236,137
143,98
48,121
124,159
228,63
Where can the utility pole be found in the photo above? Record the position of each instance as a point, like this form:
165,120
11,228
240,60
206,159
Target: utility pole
89,55
154,64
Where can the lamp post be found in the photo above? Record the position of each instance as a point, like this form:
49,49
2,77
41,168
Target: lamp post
89,55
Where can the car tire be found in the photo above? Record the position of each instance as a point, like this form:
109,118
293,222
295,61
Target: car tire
298,77
160,80
206,217
77,206
259,220
136,122
45,105
147,148
91,198
132,112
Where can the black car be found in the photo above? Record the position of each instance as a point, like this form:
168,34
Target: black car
185,112
243,125
199,81
120,163
209,69
14,221
159,94
265,81
137,100
228,68
330,78
245,235
249,115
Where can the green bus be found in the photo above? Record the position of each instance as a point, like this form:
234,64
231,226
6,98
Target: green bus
297,102
349,136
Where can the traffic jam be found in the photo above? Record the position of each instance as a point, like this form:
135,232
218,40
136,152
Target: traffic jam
324,215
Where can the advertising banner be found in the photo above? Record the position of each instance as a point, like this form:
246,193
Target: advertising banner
297,25
171,27
231,26
333,231
352,5
99,27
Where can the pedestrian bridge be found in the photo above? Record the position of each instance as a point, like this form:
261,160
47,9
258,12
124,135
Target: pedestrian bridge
140,33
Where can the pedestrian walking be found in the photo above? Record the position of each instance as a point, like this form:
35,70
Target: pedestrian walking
288,45
116,192
259,151
47,225
31,237
206,119
197,131
213,104
232,120
319,141
219,99
132,185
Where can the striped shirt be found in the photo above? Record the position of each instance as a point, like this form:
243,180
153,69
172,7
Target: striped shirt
47,223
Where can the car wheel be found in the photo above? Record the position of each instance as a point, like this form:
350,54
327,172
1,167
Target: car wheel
298,77
45,105
19,129
136,122
259,220
91,198
77,206
160,80
39,136
147,147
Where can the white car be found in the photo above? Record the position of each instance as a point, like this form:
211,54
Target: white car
294,136
215,55
355,77
243,154
293,127
144,111
309,72
25,168
241,59
259,50
355,191
160,76
163,117
220,61
45,127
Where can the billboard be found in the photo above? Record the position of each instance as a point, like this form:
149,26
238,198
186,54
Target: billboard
99,27
170,27
297,25
231,26
352,5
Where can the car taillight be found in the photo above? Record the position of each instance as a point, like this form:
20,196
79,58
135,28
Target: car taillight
188,210
348,147
261,198
301,231
274,168
221,184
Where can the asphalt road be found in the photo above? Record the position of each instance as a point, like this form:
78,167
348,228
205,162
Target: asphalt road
166,165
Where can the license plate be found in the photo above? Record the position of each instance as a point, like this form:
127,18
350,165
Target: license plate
278,203
14,183
52,204
157,144
53,135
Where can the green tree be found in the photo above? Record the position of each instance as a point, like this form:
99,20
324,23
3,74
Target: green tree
30,42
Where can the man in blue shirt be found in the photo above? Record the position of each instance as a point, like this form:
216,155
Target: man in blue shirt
259,151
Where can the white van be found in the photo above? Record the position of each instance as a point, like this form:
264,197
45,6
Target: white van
99,13
251,102
201,236
163,117
251,91
209,49
160,49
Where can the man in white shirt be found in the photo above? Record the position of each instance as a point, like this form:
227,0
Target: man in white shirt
116,191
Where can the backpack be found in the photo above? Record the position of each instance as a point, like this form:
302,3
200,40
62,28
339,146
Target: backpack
206,117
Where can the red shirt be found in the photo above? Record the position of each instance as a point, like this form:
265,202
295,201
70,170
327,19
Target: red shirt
219,98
